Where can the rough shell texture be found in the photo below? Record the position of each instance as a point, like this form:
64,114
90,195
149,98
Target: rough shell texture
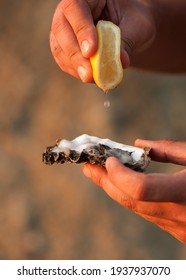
96,153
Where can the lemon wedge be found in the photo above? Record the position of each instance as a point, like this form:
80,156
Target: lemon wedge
106,62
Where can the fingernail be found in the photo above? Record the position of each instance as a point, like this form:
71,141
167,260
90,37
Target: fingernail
82,72
85,46
86,171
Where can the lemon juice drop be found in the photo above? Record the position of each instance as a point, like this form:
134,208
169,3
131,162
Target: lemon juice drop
106,103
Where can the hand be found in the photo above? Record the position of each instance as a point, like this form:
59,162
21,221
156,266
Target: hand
73,37
159,198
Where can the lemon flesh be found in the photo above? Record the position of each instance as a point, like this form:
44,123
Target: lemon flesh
106,62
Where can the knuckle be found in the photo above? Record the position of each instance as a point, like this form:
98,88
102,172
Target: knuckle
72,53
100,182
167,147
128,44
54,49
56,26
129,203
54,46
59,58
58,52
140,191
67,5
56,22
82,29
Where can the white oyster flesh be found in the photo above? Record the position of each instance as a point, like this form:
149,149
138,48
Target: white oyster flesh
85,141
96,150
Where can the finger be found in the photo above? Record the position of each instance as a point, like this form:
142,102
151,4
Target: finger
79,16
60,58
172,212
149,187
169,217
157,212
99,176
67,40
165,150
128,181
84,29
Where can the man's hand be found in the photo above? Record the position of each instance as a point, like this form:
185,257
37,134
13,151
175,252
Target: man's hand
73,37
159,198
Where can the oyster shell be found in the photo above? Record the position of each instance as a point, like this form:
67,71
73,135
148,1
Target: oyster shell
96,150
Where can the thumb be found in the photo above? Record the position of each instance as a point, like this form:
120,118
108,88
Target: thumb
165,150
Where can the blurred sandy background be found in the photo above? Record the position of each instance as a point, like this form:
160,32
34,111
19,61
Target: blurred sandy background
55,212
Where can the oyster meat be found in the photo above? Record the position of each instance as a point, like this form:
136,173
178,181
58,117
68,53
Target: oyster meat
95,150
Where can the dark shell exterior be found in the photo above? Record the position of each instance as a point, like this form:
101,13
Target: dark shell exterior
96,154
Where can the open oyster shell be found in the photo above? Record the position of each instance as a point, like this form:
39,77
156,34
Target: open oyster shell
96,150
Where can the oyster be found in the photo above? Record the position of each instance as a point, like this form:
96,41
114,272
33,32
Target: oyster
96,150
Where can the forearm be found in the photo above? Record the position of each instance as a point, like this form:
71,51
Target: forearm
167,52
